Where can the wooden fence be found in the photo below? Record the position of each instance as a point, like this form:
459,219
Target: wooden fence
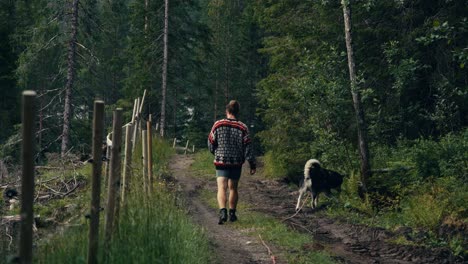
185,149
118,182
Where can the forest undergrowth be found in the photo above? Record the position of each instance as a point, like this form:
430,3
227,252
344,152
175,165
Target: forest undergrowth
418,190
151,227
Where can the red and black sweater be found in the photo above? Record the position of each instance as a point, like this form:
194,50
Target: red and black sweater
230,143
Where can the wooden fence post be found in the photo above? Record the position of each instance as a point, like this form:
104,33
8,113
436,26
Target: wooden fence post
108,155
173,144
27,183
150,155
134,124
127,161
98,134
186,147
193,148
144,156
142,102
136,128
114,176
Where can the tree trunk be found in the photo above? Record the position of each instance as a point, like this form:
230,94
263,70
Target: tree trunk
226,65
216,99
218,64
146,15
359,112
164,69
71,61
175,111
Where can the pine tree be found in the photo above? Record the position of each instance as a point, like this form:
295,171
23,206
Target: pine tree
71,72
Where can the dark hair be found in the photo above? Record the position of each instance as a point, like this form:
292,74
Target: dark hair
233,107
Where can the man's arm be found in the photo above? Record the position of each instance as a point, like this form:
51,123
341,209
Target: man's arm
212,141
248,150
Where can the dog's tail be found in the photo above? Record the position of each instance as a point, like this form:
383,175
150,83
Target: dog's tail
309,164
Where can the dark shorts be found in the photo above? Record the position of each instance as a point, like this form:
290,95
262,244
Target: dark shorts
230,173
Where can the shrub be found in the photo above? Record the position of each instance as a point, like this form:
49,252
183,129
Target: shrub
273,167
350,197
424,210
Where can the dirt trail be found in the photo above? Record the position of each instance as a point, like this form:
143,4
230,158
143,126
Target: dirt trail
348,243
232,246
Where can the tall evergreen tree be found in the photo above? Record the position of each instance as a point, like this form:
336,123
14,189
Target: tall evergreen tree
164,67
8,56
71,72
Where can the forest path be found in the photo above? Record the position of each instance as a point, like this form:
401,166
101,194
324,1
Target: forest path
230,245
346,242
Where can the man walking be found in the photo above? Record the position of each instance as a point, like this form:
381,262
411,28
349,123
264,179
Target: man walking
230,143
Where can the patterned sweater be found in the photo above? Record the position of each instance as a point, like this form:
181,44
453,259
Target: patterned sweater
230,143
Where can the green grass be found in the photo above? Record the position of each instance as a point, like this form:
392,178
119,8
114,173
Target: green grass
292,243
152,232
152,229
203,166
254,224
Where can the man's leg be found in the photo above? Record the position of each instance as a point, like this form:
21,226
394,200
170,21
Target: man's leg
233,194
222,186
233,198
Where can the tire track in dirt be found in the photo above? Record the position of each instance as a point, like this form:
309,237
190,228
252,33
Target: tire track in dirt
230,245
349,243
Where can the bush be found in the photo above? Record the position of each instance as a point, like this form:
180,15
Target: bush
274,168
350,197
424,211
412,164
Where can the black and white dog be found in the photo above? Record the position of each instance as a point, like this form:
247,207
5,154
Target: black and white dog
317,180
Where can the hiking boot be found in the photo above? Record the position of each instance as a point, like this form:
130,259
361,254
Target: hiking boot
222,216
232,215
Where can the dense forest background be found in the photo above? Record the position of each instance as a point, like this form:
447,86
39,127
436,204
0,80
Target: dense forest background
284,60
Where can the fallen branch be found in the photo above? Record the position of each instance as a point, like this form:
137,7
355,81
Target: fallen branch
49,180
384,170
10,237
62,194
72,190
15,183
10,218
52,190
47,168
270,253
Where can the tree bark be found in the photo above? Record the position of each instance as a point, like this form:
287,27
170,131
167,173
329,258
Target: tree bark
359,112
227,58
98,134
71,61
216,99
27,179
164,69
146,15
218,64
175,111
113,199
